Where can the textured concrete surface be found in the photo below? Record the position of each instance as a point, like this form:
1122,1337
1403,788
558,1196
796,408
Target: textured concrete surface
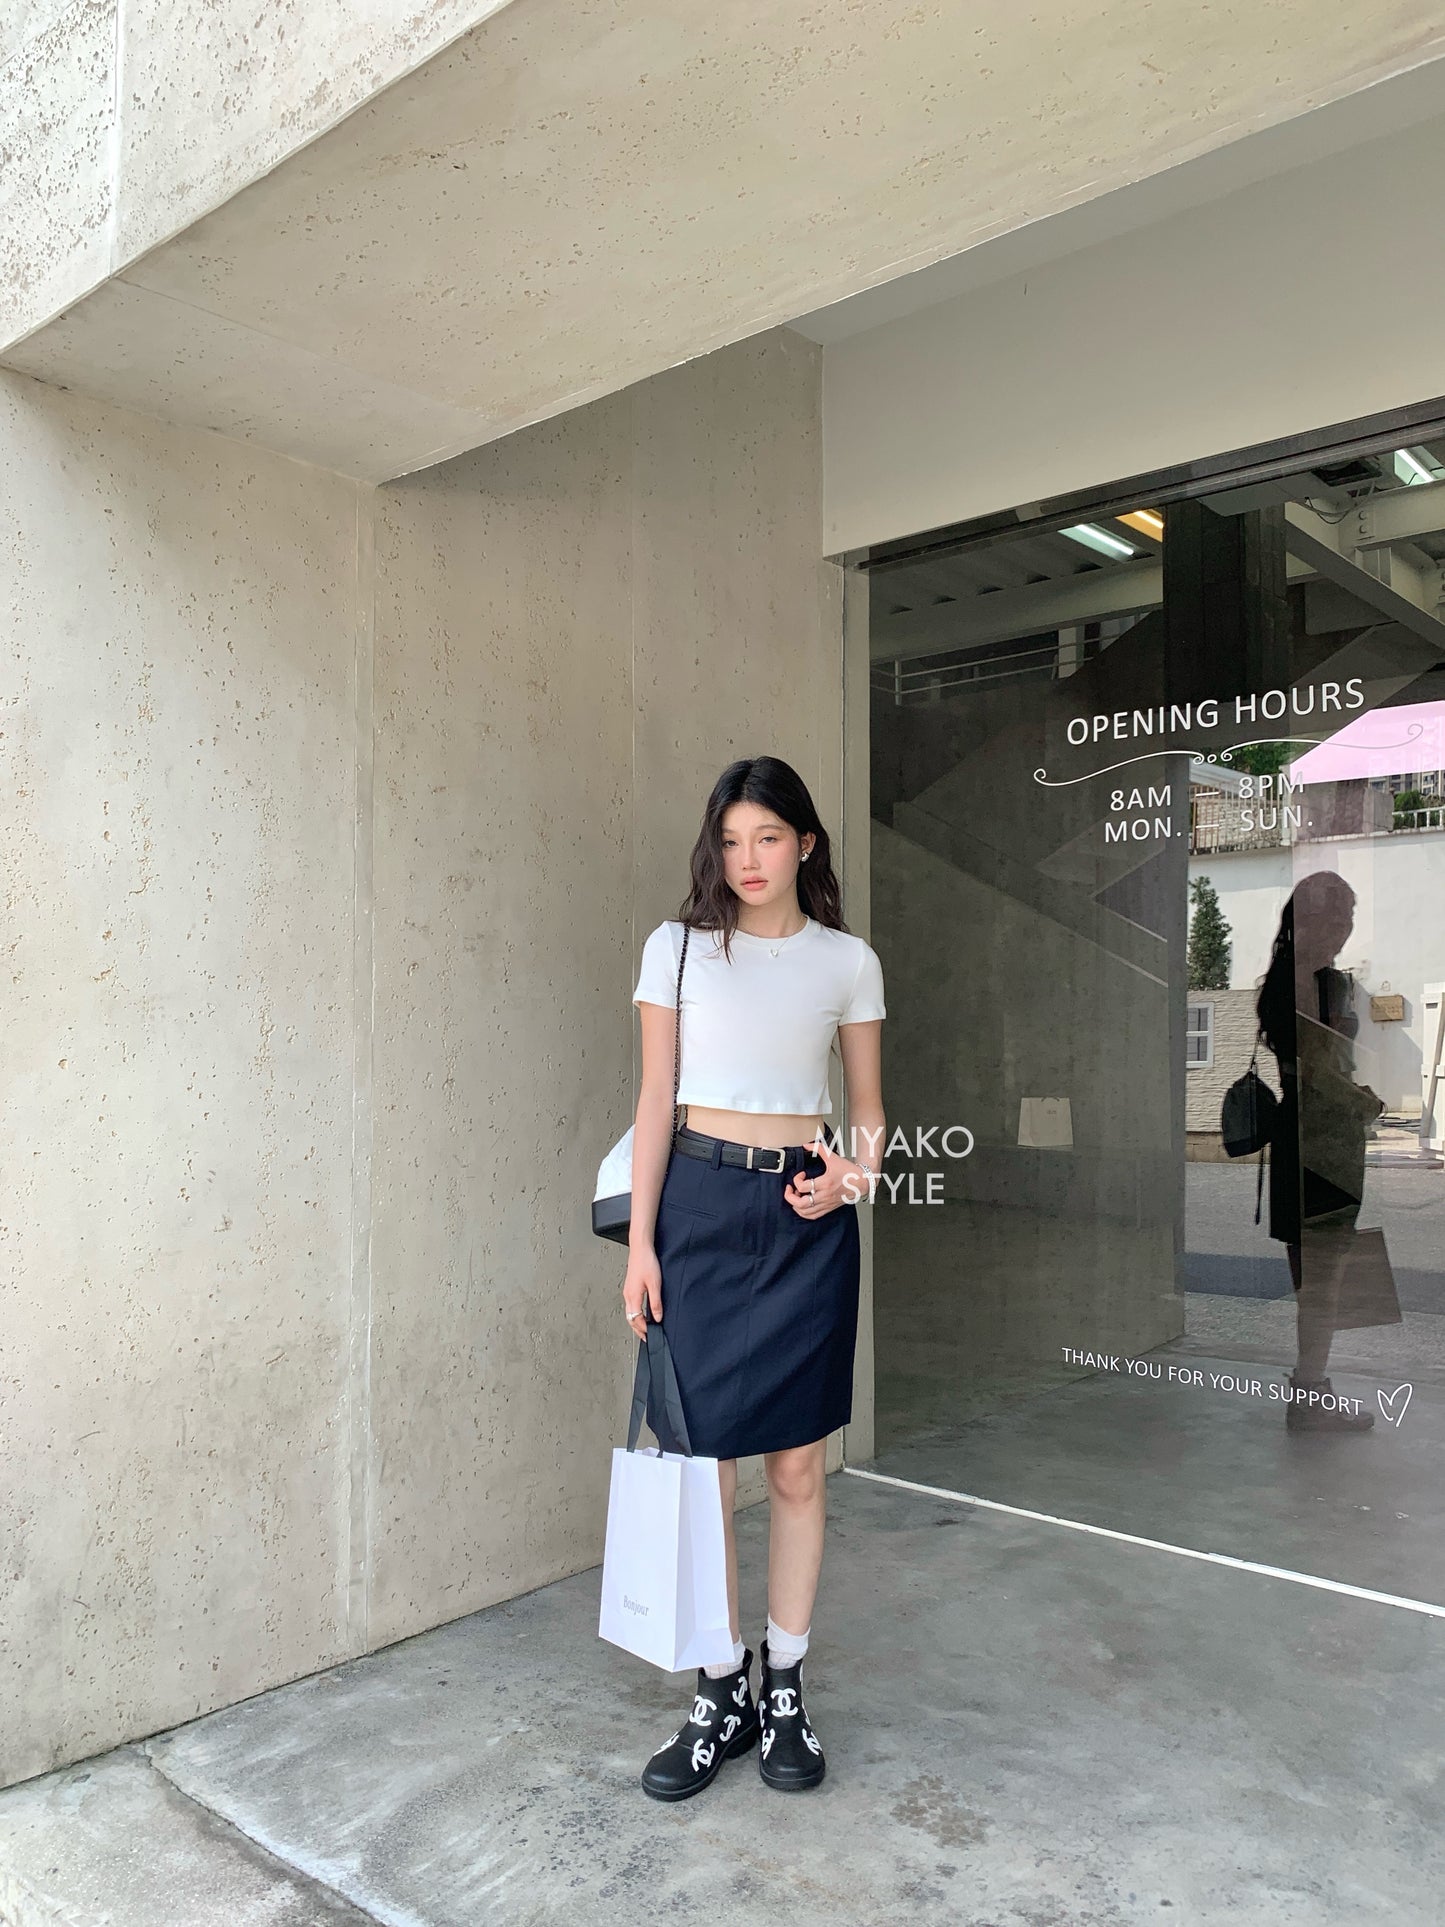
340,819
112,1843
629,597
177,1105
200,370
1022,1726
235,89
57,137
122,124
575,194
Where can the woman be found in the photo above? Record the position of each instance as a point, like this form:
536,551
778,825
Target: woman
1317,1154
743,1241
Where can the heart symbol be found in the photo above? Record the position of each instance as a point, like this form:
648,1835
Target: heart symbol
1393,1416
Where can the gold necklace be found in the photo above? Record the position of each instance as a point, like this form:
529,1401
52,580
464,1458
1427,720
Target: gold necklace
774,948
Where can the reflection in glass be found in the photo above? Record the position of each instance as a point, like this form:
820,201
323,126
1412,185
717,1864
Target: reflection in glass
1232,718
1317,1161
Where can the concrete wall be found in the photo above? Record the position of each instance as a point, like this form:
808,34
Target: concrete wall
177,1131
1397,944
577,194
341,818
626,599
122,121
1208,331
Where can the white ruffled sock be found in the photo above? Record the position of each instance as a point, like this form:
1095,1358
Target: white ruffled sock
785,1649
727,1666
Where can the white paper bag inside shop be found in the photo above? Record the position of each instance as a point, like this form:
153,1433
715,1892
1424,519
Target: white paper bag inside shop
1045,1122
664,1569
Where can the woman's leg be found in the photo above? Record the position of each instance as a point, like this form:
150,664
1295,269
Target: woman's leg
727,1478
790,1755
798,1496
1316,1289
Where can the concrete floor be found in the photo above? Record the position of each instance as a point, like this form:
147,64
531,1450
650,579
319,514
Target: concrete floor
1214,1471
1196,1465
1025,1727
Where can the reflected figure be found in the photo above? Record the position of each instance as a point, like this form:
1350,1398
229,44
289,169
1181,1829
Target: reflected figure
1317,1153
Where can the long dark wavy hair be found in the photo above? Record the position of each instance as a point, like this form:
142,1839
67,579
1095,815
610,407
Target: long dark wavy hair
1275,1006
774,785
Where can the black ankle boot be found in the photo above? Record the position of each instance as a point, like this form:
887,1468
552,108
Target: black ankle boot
1301,1415
790,1757
723,1722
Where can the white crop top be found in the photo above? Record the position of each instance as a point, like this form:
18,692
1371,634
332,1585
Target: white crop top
757,1031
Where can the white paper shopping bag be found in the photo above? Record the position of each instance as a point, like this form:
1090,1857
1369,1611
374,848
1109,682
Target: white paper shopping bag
664,1568
664,1577
1046,1122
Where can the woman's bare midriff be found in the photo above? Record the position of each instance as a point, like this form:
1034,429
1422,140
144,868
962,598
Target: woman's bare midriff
771,1128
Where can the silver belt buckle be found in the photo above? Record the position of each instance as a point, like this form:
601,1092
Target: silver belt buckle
773,1150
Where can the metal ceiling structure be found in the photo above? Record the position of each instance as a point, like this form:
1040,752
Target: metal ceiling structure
1368,533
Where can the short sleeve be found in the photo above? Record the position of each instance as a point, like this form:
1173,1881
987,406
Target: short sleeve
657,977
866,998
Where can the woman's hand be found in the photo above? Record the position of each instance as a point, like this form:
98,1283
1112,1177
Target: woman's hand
642,1286
815,1197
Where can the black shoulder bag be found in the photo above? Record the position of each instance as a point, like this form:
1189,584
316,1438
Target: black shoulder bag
1248,1119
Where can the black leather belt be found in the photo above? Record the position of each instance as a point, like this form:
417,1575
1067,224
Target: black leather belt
752,1157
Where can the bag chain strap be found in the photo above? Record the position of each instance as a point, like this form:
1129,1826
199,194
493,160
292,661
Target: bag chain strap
677,1027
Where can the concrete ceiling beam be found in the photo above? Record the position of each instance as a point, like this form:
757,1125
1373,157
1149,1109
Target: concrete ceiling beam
573,195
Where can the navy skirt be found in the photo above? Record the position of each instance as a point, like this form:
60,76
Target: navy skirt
759,1306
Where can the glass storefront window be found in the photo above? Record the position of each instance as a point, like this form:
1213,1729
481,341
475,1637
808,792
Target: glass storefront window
1158,878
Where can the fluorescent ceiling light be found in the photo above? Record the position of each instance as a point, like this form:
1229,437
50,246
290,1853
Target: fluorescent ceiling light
1099,539
1147,521
1409,468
